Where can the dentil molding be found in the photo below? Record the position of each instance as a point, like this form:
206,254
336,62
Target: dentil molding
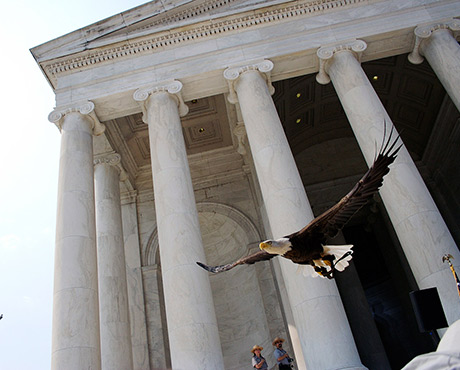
167,39
84,108
325,53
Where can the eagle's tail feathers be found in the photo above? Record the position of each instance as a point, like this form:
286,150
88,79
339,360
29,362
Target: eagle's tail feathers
307,270
339,251
343,264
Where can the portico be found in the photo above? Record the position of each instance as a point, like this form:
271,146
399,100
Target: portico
204,129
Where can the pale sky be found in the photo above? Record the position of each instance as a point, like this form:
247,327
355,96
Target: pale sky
29,161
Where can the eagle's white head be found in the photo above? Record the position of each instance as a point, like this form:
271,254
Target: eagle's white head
279,246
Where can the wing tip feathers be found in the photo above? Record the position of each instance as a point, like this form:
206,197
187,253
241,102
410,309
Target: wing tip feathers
206,267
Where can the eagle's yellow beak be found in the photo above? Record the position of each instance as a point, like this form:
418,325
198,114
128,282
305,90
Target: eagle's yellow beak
263,245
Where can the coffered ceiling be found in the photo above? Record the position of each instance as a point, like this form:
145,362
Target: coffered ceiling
318,130
206,127
314,121
411,94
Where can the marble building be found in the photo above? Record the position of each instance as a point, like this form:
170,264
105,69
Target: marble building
191,130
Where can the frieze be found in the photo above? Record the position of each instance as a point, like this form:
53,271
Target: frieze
171,39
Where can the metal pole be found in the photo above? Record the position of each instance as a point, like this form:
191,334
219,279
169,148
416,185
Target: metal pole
448,257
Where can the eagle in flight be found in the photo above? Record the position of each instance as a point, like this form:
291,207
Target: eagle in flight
308,246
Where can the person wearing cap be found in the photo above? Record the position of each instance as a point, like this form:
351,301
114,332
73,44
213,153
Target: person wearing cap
258,361
282,358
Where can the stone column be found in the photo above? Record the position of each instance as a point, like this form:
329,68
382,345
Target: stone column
437,43
156,331
192,325
135,283
75,337
420,228
359,315
316,306
116,349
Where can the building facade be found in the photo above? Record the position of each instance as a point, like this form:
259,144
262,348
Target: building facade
191,130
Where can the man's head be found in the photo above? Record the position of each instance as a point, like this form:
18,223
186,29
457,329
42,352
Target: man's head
278,342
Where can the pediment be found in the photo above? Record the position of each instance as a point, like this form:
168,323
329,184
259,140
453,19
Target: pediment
150,18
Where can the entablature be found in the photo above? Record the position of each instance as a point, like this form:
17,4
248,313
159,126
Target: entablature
198,51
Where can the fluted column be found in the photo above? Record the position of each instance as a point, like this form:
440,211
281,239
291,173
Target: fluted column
75,336
420,228
316,305
436,42
192,325
116,350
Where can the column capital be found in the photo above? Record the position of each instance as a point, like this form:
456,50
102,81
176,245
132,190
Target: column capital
232,73
111,159
85,108
173,87
325,53
425,31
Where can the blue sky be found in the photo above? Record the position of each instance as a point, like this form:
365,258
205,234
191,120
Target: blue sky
29,160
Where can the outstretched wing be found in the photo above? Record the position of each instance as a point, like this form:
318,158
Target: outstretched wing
334,219
248,260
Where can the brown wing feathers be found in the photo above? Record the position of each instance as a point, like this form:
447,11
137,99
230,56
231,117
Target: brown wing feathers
249,260
331,221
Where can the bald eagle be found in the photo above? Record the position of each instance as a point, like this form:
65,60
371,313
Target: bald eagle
308,245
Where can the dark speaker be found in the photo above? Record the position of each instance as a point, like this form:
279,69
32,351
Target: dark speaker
428,309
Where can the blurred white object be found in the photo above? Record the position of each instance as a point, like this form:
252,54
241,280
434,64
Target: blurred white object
447,355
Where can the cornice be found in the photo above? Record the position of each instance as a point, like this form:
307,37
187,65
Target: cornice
190,34
188,13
